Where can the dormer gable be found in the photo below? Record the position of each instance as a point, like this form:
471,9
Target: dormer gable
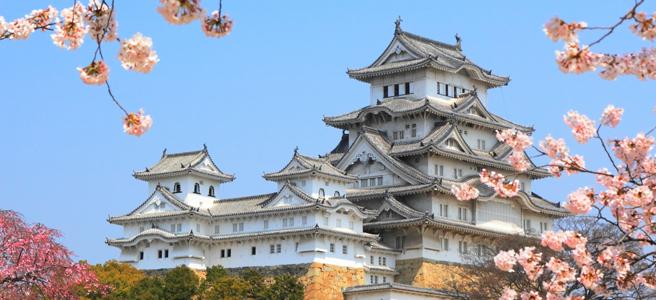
290,195
162,200
455,142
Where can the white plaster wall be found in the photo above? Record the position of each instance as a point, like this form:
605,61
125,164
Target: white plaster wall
536,218
187,188
381,278
389,295
375,170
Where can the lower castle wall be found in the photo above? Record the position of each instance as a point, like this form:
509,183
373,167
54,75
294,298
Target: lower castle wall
424,272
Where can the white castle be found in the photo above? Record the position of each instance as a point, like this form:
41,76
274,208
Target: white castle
378,205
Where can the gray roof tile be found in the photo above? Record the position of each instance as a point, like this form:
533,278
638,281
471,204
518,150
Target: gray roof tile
177,164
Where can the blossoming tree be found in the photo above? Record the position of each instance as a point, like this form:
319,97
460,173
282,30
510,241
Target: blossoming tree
626,200
98,21
34,266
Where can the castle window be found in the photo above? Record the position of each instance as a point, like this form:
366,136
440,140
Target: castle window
439,170
371,259
481,144
446,90
383,279
172,227
332,248
303,183
457,173
176,188
166,253
400,242
229,253
455,92
372,181
384,261
222,253
417,160
414,130
380,180
527,225
266,224
196,188
216,229
462,214
197,228
141,255
278,248
380,261
407,88
160,253
365,183
237,227
211,192
444,210
322,194
396,90
296,249
304,220
336,194
272,249
438,89
351,225
521,186
385,92
253,250
462,247
344,249
141,229
179,227
445,244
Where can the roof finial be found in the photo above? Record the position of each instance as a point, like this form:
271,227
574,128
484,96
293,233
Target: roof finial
164,153
398,23
458,39
296,150
204,146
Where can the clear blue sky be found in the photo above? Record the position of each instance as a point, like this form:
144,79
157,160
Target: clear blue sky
256,94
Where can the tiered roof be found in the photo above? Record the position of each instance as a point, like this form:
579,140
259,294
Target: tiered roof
184,163
426,53
309,166
456,108
397,287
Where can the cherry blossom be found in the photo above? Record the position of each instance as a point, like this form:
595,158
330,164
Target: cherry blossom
20,29
497,181
42,18
71,29
508,294
580,201
216,26
3,26
553,240
31,258
530,260
611,116
532,295
464,192
178,12
646,28
517,140
631,151
575,59
136,123
554,148
557,29
95,73
505,260
582,127
518,161
136,54
101,18
590,276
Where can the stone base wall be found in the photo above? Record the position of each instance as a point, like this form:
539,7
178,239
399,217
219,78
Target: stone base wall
424,272
321,281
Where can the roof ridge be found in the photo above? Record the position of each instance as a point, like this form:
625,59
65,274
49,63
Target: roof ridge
185,153
245,198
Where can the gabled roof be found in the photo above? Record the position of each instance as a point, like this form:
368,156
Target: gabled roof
381,148
401,288
183,208
307,166
390,203
426,53
380,247
454,108
177,164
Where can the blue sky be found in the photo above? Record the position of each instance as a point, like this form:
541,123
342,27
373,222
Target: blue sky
256,94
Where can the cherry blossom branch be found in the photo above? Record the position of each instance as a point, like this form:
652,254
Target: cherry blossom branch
628,16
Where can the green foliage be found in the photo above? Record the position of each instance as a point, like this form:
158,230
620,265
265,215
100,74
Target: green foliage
214,273
258,287
286,287
181,283
228,288
120,277
148,288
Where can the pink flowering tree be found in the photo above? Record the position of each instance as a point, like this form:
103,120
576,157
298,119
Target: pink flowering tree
98,21
34,266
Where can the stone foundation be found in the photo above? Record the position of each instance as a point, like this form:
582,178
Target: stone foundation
426,272
321,281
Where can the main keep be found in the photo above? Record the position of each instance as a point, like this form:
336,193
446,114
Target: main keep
375,216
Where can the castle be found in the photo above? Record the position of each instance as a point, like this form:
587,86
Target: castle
372,219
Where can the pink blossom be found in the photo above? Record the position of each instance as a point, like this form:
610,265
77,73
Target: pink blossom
557,29
178,12
71,29
576,60
642,64
497,181
3,26
20,29
517,140
646,28
532,295
531,262
574,239
554,148
553,240
581,201
648,280
137,54
631,151
137,124
611,116
638,196
590,276
556,168
95,73
464,192
582,127
43,18
572,165
508,294
217,26
582,256
100,18
505,260
518,161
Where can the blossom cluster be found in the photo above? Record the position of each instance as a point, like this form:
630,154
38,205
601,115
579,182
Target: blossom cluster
498,182
137,123
582,127
646,28
137,54
178,12
71,29
102,21
217,26
556,29
464,192
96,73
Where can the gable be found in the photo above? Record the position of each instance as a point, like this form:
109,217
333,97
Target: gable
395,52
389,215
206,165
287,197
156,203
455,142
294,165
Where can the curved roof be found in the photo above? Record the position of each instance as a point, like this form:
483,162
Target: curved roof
426,53
184,163
403,288
454,108
309,167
